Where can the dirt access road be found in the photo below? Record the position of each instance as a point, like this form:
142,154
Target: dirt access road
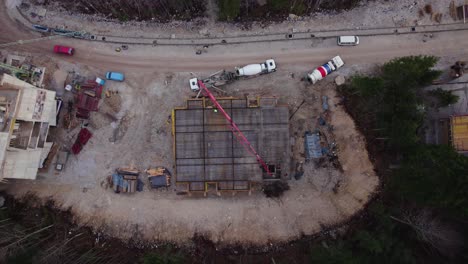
147,100
183,59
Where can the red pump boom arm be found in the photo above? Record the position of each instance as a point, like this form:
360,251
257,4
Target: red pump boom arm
235,130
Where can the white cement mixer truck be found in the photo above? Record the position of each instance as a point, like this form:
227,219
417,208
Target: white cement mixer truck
223,77
255,69
327,68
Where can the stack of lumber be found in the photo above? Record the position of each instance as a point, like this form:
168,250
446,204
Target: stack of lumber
159,177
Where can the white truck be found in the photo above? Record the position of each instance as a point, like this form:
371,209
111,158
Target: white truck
254,69
224,77
327,68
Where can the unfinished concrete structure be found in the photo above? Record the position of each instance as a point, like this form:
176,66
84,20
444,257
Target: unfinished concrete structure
26,113
208,155
459,133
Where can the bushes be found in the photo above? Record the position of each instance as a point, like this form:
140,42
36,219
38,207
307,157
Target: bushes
123,10
444,98
433,176
422,201
229,9
392,99
276,9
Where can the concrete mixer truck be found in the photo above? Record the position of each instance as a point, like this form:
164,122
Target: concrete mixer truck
255,69
327,68
223,77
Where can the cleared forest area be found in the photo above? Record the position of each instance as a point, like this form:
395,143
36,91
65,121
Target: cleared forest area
125,10
276,9
229,10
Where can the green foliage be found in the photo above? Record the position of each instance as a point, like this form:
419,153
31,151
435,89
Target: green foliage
435,176
279,5
393,98
25,256
445,98
391,103
167,257
124,10
385,241
299,8
229,9
255,10
368,87
413,72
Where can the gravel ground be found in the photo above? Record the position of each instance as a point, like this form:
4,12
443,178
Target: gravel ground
161,215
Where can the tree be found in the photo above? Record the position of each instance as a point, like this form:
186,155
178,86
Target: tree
166,258
229,9
444,98
392,99
382,241
431,229
435,176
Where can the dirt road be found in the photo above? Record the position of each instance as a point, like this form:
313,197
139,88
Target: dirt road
183,59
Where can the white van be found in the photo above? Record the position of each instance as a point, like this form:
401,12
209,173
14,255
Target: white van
348,40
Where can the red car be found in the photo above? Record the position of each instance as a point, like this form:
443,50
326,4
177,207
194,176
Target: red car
64,50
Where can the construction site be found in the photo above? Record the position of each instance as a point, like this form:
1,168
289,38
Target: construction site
235,139
239,139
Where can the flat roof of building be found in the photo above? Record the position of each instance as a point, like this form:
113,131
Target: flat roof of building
206,150
35,104
460,132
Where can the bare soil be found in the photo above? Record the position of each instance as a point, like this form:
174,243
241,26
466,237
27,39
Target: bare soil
323,196
156,81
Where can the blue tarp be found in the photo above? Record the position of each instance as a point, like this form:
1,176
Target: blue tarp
312,145
158,181
117,179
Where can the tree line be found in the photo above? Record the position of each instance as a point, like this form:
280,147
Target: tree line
229,10
276,9
421,213
151,10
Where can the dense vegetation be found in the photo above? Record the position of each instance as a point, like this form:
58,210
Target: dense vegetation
276,9
421,213
229,10
444,98
124,10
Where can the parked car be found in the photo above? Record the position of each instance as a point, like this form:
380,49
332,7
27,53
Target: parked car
64,50
348,40
115,76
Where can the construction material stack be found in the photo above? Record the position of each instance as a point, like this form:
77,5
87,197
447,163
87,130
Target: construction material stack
88,97
125,180
159,177
83,136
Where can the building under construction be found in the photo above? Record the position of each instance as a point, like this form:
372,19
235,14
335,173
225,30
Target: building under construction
459,133
26,114
209,157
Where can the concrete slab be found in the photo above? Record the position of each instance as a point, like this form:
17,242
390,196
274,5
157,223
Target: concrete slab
206,150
